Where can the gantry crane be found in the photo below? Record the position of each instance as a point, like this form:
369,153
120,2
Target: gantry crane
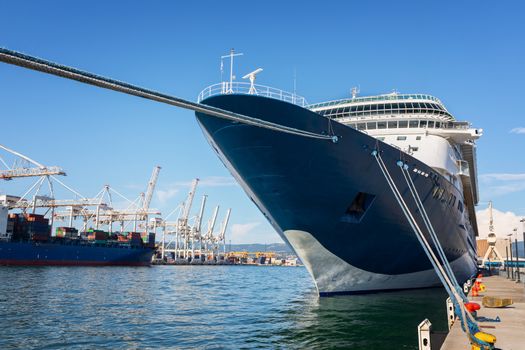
492,251
31,167
151,188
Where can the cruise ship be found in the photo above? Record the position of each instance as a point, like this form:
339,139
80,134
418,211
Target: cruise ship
330,200
331,178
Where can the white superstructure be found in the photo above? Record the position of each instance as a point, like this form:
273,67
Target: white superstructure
419,125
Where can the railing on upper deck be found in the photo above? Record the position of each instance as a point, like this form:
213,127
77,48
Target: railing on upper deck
387,97
226,88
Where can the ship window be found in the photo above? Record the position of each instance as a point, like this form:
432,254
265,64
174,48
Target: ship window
366,108
392,125
358,208
438,124
435,191
401,138
395,106
360,108
413,124
373,107
353,109
418,138
460,206
423,123
430,124
361,126
452,200
414,149
388,106
381,138
371,125
381,125
403,123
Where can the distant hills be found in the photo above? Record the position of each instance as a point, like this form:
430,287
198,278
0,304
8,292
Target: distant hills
258,247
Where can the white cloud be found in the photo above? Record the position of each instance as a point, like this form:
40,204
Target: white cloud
210,181
240,231
502,177
166,195
170,191
217,181
518,131
498,184
504,223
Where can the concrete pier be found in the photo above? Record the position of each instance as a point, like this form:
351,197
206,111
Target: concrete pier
510,332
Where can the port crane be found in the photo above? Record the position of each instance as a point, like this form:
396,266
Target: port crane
185,236
183,229
137,211
492,251
25,167
151,188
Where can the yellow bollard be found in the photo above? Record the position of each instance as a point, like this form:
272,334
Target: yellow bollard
487,338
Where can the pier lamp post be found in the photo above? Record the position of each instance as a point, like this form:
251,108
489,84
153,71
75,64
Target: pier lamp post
511,259
523,230
517,256
507,260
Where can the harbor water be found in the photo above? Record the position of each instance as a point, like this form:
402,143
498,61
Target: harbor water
201,307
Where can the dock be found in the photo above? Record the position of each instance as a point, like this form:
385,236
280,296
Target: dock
510,331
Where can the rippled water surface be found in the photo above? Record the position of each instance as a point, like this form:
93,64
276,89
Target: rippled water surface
201,307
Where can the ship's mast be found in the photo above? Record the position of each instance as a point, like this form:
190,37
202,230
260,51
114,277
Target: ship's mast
231,55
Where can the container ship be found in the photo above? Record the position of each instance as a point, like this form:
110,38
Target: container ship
330,200
26,240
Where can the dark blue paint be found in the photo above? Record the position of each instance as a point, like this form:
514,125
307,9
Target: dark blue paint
54,253
307,184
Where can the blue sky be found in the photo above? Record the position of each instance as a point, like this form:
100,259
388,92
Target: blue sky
470,54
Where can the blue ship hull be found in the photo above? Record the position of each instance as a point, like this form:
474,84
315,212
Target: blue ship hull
73,254
306,188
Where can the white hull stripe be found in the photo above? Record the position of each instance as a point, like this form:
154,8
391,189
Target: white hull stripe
334,275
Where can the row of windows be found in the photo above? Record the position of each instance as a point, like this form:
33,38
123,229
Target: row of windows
386,108
400,138
376,98
439,193
394,124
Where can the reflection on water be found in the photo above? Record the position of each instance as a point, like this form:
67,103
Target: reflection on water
207,307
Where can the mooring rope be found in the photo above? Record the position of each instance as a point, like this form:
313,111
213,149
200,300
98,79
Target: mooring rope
41,65
430,227
468,323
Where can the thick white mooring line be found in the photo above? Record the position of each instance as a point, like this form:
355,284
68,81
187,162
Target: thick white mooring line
41,65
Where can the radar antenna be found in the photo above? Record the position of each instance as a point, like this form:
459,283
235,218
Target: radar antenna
355,91
251,76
